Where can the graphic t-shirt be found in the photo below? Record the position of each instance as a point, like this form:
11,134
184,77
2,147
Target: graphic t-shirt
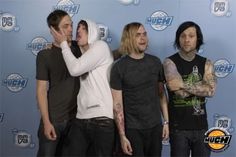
188,113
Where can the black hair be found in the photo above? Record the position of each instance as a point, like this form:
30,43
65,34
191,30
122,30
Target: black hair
185,26
84,23
55,17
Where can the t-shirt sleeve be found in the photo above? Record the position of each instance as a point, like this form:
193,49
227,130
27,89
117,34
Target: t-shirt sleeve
41,68
161,74
115,78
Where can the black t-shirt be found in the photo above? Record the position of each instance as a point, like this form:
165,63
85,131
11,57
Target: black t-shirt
188,113
63,88
138,79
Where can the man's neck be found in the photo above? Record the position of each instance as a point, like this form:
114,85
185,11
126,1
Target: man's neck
136,55
188,56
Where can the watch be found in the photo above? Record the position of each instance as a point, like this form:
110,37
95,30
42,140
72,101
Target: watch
165,122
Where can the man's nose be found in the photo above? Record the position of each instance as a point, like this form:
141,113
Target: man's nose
70,29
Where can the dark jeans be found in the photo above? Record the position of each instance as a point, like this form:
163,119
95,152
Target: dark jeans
90,137
146,142
182,141
48,148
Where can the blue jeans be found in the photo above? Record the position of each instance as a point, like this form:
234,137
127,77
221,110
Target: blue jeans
183,142
49,148
90,137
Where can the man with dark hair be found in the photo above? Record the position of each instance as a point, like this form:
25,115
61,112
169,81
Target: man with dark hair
92,132
190,79
56,89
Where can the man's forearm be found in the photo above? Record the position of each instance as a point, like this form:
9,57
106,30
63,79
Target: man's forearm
119,118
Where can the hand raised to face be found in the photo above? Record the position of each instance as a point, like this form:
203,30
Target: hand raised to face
59,36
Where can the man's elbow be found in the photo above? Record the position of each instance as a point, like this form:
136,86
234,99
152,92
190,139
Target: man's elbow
211,93
74,72
212,90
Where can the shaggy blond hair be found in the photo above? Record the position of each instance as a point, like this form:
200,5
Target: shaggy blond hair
128,38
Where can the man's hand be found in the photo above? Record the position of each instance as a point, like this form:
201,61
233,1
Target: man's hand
58,36
126,146
165,132
50,132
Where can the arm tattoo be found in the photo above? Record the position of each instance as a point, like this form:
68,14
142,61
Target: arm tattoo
119,118
207,86
173,78
182,93
170,70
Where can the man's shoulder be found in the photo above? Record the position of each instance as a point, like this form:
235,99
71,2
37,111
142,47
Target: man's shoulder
99,43
200,57
120,63
45,52
152,57
121,60
173,55
49,52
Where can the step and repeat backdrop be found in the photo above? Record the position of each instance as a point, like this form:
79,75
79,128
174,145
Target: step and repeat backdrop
24,32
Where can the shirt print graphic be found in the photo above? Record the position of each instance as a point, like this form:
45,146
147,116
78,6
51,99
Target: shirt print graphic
191,101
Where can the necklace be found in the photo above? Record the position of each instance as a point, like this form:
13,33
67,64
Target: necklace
187,57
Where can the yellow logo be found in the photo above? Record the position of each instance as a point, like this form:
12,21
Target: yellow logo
217,139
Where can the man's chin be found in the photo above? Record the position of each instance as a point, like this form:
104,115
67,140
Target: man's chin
69,39
142,50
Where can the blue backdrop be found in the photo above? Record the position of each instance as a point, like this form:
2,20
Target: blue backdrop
23,32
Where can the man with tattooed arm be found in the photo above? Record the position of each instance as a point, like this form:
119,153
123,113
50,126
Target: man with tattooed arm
138,95
190,79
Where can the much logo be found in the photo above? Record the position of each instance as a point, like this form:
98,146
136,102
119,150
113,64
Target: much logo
128,2
220,8
8,22
69,6
15,82
223,68
159,20
37,44
218,138
1,117
104,33
22,139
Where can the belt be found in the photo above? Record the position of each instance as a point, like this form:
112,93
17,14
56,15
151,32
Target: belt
98,120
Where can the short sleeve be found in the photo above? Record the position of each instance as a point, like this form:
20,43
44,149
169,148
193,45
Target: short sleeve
161,74
41,68
115,78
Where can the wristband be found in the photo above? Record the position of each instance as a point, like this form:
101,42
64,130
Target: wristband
165,122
